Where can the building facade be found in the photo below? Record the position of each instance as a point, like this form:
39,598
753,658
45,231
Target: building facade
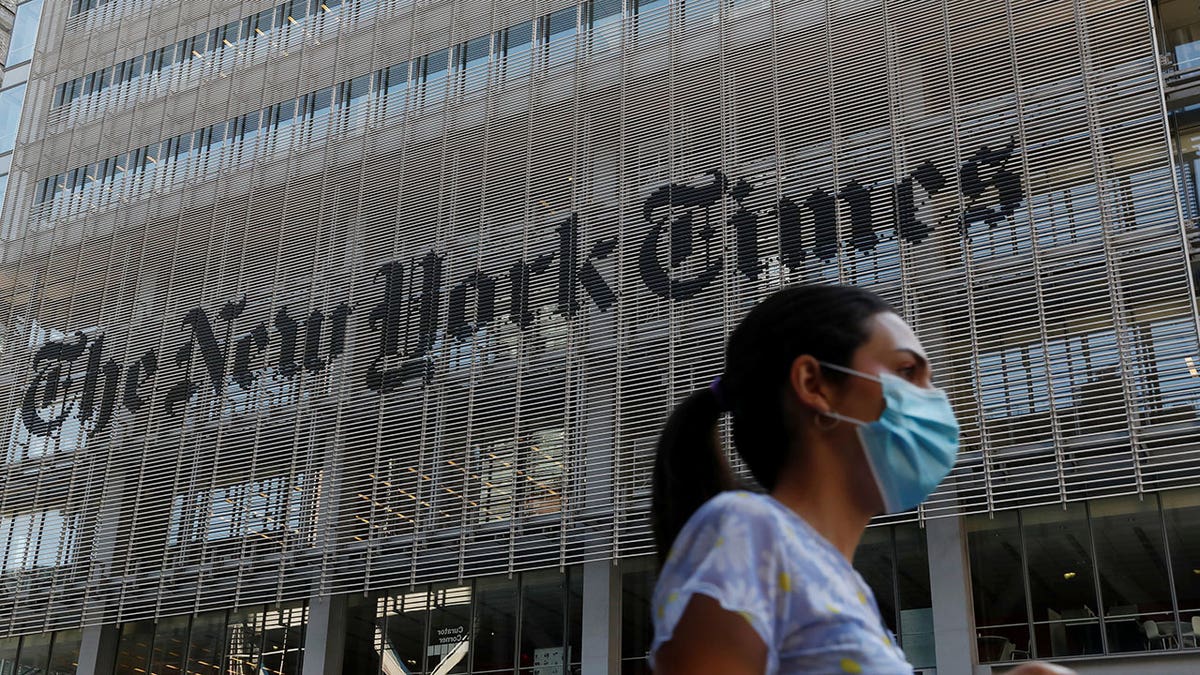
336,335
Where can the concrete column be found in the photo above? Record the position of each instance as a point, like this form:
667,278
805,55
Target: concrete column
601,618
950,588
325,635
98,650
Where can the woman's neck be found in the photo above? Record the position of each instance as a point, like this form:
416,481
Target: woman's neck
821,491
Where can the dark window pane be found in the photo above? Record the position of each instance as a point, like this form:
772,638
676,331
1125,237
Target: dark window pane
1062,586
170,643
496,624
449,634
637,590
997,582
404,617
916,604
575,616
8,655
35,654
542,600
1132,567
1181,510
360,654
133,649
64,655
206,644
875,561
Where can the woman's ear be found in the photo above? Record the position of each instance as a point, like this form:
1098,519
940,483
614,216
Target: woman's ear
809,385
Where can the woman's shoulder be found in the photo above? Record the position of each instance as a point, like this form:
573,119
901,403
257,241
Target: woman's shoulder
738,504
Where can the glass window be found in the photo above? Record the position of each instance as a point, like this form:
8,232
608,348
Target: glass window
64,655
361,653
638,577
542,600
170,643
4,189
518,50
998,585
495,624
8,655
560,27
283,638
1062,586
10,116
133,649
449,629
575,618
875,561
1181,511
243,641
1132,566
403,618
916,603
206,644
24,33
35,654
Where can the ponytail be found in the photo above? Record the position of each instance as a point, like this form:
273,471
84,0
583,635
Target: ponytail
690,466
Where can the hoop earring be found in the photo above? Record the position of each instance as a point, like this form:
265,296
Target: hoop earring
822,427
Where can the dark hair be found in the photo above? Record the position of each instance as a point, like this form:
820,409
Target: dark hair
826,321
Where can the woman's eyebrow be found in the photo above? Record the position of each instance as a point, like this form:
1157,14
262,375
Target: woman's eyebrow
921,359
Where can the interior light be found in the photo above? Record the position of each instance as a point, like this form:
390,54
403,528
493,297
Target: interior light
227,42
195,53
1191,366
291,19
325,7
259,31
1195,570
1068,575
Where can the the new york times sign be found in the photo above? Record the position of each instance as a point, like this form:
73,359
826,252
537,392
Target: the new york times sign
987,180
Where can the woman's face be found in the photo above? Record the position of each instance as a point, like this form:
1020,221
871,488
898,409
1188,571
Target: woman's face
891,348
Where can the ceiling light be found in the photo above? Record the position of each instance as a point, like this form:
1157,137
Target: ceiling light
1068,575
1191,366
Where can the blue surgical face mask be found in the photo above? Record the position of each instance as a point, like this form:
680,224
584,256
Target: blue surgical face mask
912,446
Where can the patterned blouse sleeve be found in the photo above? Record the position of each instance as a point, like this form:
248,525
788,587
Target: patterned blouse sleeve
728,552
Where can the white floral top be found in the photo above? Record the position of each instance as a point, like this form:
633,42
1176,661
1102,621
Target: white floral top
758,558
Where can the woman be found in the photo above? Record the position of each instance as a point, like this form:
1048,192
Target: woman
835,416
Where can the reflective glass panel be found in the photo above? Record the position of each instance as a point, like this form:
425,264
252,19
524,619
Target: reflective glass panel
495,624
243,641
1181,512
998,585
875,561
205,644
8,655
10,116
24,33
133,649
170,645
361,654
64,654
637,591
35,654
449,634
916,604
542,600
283,638
403,617
1132,564
1062,586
